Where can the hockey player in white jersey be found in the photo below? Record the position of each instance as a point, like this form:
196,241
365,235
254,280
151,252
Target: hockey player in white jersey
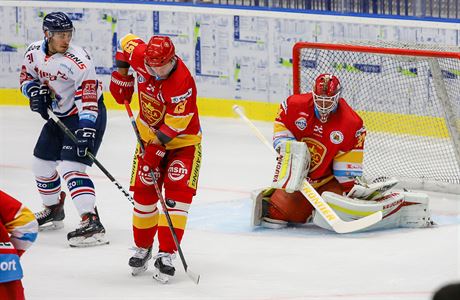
60,76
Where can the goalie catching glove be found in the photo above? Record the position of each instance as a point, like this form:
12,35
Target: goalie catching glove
293,164
122,87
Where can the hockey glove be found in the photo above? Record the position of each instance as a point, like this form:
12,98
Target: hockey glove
85,140
121,87
153,155
40,99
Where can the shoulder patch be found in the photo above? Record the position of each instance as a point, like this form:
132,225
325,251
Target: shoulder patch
301,123
182,97
336,137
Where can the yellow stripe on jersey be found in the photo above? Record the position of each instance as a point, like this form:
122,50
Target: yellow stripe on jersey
23,217
193,181
178,221
279,127
181,140
134,167
147,222
178,123
353,156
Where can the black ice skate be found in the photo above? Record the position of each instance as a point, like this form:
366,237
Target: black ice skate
89,233
51,217
139,261
164,269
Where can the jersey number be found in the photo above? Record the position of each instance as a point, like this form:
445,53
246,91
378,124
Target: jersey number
130,46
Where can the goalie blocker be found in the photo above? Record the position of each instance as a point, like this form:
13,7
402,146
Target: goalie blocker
400,209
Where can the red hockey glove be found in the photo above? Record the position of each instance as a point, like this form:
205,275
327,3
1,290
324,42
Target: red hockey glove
153,155
122,87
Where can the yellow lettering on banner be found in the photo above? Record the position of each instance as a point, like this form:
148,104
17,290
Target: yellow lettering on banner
317,203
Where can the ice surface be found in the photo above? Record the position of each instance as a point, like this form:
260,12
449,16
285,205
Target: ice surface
234,261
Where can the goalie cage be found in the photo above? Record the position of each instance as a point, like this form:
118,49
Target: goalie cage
409,99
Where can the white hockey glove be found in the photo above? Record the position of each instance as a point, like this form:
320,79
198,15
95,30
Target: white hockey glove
363,190
293,164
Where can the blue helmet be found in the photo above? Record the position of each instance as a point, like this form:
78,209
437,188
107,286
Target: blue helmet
57,21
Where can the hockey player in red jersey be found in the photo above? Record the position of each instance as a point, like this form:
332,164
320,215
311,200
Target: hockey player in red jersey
322,122
169,127
18,230
59,75
320,138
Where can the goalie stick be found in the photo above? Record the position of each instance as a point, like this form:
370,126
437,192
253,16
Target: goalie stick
314,197
90,155
193,276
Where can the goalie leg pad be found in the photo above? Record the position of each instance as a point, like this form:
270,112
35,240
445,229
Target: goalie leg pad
257,208
399,210
349,209
415,212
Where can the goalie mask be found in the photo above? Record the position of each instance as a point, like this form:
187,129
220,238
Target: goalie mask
159,52
326,94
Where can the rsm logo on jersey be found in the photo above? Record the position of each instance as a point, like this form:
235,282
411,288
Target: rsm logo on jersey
177,170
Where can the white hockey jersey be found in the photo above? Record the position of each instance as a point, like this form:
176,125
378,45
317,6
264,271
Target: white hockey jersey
71,77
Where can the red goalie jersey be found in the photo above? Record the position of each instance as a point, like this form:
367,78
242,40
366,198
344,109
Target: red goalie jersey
165,105
336,146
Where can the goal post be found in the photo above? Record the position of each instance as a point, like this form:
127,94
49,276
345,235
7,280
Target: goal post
409,99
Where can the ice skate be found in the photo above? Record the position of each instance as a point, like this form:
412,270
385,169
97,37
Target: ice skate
164,269
51,217
139,261
89,233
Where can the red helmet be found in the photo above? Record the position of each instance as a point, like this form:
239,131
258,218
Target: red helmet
160,50
326,94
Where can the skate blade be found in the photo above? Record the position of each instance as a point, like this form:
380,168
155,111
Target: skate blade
136,271
54,225
91,241
160,277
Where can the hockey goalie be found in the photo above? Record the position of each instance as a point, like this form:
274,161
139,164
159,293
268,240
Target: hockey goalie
320,138
282,204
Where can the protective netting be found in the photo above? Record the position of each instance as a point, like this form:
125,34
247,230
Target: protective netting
410,105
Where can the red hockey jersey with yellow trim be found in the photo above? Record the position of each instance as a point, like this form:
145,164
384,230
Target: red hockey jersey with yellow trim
167,105
18,230
336,147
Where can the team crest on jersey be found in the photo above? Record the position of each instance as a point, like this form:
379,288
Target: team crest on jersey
301,123
140,78
152,110
182,97
336,137
177,170
89,91
317,152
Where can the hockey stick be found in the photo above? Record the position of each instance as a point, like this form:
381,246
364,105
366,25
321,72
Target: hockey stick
90,155
314,197
193,276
